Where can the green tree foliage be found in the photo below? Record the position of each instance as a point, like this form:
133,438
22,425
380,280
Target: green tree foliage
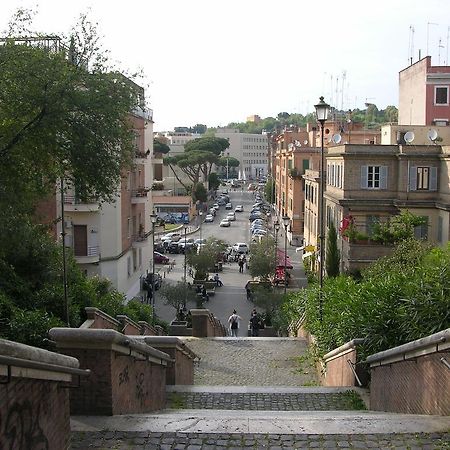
160,147
177,295
263,259
204,260
332,254
269,190
199,193
213,181
399,299
198,158
398,228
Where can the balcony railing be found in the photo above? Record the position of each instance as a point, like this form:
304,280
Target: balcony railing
92,250
73,200
140,192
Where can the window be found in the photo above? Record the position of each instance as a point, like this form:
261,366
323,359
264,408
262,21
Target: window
129,266
423,175
440,229
129,227
371,221
421,231
441,95
373,177
422,178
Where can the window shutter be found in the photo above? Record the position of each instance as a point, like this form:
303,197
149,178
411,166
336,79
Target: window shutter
413,178
383,177
363,177
433,178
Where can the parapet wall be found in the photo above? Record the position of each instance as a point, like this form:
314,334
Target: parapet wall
413,378
34,405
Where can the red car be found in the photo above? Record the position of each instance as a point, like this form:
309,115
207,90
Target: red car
159,258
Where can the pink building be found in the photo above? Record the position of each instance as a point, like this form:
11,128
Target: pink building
424,94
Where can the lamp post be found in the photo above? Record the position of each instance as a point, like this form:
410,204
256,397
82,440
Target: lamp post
228,155
286,220
153,218
185,280
200,214
63,237
276,226
322,110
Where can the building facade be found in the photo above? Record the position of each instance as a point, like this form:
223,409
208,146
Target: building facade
112,239
424,93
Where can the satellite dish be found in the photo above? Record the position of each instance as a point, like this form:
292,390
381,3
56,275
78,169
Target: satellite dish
336,138
305,142
432,135
409,137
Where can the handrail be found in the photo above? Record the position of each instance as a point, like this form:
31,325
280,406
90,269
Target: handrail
19,362
445,362
352,368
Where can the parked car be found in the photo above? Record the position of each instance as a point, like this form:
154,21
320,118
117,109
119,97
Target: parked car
225,223
240,247
159,258
231,216
171,236
228,206
216,206
254,216
159,247
212,211
209,218
221,202
259,232
185,244
173,247
239,208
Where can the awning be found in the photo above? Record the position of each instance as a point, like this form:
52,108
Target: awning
281,261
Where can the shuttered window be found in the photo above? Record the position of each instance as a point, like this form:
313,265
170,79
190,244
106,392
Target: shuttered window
374,177
422,178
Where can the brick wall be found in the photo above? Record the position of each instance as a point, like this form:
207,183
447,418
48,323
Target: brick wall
416,386
34,414
338,372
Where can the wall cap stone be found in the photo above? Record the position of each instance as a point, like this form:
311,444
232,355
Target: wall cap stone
91,312
126,320
27,352
105,339
169,342
430,344
345,348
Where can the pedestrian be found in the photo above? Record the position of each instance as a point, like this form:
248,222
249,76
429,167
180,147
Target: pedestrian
254,324
205,295
217,280
241,265
233,320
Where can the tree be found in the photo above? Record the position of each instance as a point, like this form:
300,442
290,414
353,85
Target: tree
213,181
263,259
333,255
160,147
58,119
177,295
203,261
269,190
199,193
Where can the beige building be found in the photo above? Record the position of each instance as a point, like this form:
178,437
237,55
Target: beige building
112,240
369,184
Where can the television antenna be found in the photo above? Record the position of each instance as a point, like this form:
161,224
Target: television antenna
432,135
409,137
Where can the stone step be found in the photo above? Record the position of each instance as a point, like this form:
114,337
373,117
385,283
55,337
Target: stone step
264,398
208,429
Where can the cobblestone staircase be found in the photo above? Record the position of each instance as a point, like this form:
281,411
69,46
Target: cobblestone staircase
259,393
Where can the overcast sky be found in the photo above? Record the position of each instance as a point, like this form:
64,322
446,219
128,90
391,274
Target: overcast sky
217,61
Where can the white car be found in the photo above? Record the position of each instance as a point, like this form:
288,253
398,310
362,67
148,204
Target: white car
231,216
239,208
240,247
224,223
259,232
209,218
171,237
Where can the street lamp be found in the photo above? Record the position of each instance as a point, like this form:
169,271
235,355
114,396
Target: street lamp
185,287
153,218
200,213
276,226
322,110
286,220
228,155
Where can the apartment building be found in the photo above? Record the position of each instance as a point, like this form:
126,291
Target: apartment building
424,94
251,150
112,239
369,184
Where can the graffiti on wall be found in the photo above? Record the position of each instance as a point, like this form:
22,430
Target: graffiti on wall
20,427
141,391
123,376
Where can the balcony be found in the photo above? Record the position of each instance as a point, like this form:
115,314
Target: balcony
73,203
141,157
92,255
139,195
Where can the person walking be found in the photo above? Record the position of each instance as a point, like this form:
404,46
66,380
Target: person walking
241,265
217,280
234,320
254,324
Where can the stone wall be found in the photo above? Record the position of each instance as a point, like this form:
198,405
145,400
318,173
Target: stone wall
34,406
338,365
128,376
413,378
